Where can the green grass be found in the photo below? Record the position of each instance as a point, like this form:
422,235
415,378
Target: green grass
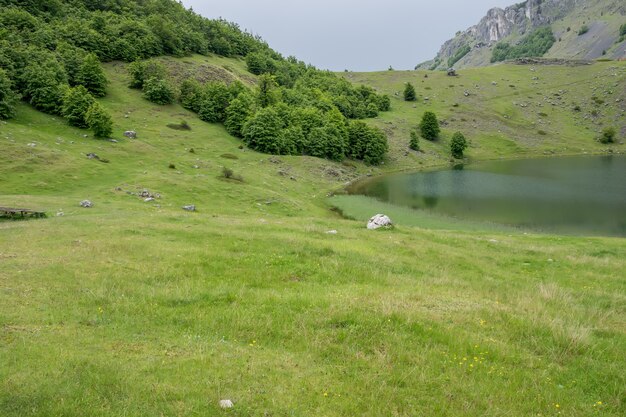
361,208
501,121
137,308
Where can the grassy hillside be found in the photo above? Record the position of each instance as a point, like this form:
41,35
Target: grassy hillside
509,111
141,308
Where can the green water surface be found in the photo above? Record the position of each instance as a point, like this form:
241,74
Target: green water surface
573,195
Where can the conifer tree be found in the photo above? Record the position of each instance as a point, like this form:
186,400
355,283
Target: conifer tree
429,126
415,141
409,92
458,144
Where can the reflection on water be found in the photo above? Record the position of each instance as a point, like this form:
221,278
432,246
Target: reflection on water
572,195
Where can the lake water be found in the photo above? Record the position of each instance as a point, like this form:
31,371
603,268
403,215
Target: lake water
573,195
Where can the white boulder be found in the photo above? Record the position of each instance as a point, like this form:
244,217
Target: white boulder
378,221
226,404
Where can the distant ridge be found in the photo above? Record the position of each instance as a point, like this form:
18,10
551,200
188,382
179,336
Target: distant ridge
582,29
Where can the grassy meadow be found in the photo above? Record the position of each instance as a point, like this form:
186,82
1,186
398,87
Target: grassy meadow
139,308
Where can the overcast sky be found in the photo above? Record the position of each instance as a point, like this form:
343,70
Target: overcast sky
359,35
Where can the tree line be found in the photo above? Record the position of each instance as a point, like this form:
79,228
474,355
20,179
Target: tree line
314,117
51,50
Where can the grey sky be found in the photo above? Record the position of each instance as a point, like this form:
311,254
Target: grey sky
359,35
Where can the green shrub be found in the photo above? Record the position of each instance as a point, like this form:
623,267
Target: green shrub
158,91
607,135
91,76
72,59
459,54
535,44
183,125
76,104
229,174
266,90
293,141
214,102
414,143
366,143
384,103
190,95
44,84
237,112
99,121
409,92
260,63
262,130
372,110
429,126
584,29
141,71
7,97
458,144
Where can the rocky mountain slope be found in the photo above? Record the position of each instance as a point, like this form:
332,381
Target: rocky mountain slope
583,29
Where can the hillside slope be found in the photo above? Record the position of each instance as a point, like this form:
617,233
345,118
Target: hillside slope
566,18
140,308
504,110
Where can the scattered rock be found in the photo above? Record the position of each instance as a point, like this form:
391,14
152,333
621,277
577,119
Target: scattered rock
32,144
86,204
226,404
378,221
147,200
60,213
466,93
145,193
92,155
331,232
451,72
190,207
130,134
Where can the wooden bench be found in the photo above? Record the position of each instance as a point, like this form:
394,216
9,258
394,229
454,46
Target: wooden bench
21,213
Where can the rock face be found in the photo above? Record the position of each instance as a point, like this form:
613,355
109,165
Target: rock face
378,221
513,23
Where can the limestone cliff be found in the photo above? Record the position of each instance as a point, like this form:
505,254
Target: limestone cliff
603,18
